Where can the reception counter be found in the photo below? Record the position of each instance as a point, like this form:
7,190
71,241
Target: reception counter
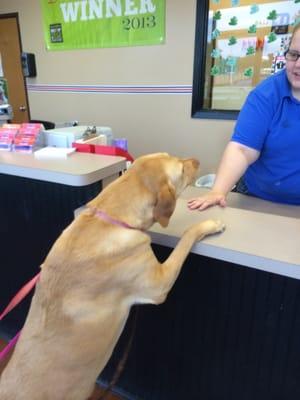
78,169
37,201
230,327
259,234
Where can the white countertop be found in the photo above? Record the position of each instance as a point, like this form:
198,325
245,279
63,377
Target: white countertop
259,234
78,169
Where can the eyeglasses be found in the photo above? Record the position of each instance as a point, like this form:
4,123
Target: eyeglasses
291,55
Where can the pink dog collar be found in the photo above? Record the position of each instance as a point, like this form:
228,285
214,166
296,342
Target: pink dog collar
111,220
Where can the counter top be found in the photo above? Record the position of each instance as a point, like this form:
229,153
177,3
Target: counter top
78,169
259,234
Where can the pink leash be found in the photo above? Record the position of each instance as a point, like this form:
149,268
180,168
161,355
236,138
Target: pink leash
22,293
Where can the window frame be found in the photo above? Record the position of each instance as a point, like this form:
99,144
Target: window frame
200,47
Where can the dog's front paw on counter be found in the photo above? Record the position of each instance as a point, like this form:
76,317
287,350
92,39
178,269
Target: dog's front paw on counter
208,227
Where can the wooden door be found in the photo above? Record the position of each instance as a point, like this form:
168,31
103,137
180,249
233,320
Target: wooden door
10,50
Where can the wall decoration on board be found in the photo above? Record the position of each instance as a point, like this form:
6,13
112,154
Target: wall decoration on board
215,34
216,53
246,43
279,45
70,24
272,15
242,46
250,51
233,21
227,66
252,29
232,40
281,24
215,70
272,37
217,15
276,16
254,9
248,72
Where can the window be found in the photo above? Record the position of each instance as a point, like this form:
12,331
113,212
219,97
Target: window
238,43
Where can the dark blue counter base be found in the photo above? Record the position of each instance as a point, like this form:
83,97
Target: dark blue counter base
225,333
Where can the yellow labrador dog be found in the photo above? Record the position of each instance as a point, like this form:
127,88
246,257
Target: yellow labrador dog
98,268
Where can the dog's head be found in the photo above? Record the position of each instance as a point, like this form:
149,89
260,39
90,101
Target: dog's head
166,177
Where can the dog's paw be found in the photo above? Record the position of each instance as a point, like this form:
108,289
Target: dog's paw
211,226
220,226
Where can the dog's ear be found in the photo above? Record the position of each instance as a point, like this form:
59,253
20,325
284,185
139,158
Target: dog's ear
165,204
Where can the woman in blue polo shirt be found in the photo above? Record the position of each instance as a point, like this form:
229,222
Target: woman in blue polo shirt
263,155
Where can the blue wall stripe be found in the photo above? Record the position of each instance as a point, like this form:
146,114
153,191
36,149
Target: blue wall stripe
112,89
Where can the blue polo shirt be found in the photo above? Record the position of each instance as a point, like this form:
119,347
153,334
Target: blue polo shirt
270,123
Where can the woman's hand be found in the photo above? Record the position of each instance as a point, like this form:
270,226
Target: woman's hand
235,161
210,199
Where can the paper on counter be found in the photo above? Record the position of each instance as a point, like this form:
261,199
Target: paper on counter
54,152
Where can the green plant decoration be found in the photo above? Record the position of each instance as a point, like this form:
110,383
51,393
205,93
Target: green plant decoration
231,61
233,21
254,9
216,53
272,15
232,41
250,51
215,70
248,72
297,1
215,34
272,37
217,15
252,28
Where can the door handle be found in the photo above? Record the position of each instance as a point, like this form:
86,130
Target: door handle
22,108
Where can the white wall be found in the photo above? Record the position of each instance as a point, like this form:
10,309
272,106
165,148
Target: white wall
150,122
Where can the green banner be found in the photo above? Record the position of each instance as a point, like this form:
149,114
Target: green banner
70,24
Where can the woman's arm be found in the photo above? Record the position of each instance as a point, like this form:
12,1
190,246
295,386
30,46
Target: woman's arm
235,160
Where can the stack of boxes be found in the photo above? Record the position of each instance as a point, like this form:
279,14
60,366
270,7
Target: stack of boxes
7,136
23,138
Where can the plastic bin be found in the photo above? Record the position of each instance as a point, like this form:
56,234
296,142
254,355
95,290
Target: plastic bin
206,181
